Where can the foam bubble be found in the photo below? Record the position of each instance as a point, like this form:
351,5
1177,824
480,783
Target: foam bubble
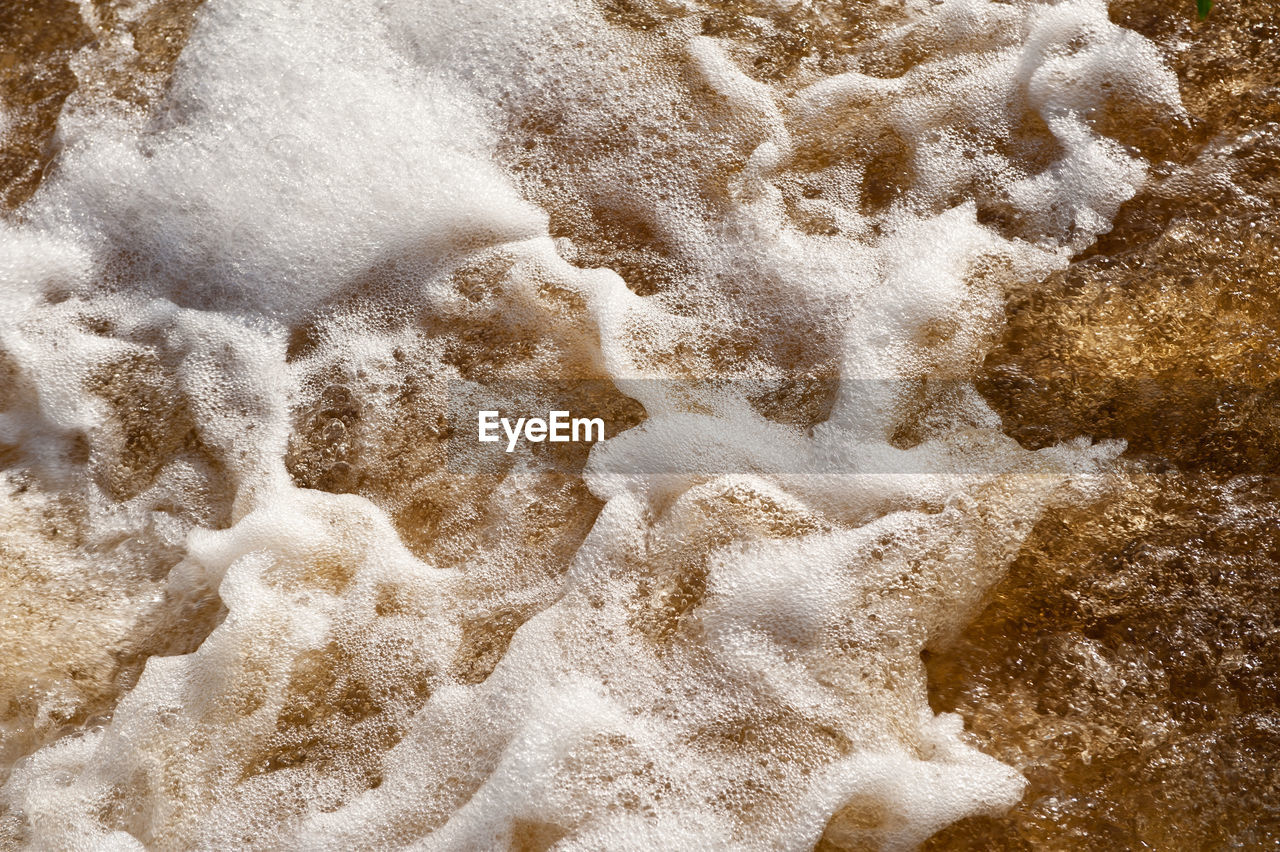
237,319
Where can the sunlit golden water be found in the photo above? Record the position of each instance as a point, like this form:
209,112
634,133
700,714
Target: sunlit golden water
1132,652
1129,663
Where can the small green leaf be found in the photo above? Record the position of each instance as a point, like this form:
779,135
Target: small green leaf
1203,7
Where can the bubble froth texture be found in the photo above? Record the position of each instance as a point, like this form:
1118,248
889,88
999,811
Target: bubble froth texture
237,317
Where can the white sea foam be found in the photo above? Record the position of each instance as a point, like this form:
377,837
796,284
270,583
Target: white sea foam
731,657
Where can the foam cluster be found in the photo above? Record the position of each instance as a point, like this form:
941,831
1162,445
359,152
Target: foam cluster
243,328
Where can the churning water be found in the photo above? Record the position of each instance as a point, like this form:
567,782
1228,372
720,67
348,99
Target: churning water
934,343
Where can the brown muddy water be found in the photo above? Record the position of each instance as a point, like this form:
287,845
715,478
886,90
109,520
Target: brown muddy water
935,345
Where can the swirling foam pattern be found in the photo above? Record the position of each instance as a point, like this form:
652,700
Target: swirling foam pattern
263,595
